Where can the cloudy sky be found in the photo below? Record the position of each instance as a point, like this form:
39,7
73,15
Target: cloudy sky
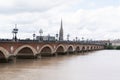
91,19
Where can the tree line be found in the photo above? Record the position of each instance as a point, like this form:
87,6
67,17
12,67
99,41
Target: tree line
112,47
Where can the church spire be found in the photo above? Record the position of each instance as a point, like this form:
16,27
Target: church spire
61,32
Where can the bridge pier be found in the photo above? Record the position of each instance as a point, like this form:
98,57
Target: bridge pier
77,52
25,56
38,56
68,53
55,54
13,59
46,54
4,60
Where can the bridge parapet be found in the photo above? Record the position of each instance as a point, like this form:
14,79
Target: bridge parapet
33,48
37,41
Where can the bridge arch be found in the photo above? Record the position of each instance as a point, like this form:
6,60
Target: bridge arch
91,48
83,48
70,48
60,49
87,48
4,54
46,50
77,49
25,50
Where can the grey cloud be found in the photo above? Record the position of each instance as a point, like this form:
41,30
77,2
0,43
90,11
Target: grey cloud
21,6
21,9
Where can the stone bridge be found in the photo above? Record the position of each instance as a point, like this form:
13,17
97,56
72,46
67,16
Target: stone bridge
35,49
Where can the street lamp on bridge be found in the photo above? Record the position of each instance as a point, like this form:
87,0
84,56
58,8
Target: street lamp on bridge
82,39
68,37
34,36
15,31
41,32
57,37
76,38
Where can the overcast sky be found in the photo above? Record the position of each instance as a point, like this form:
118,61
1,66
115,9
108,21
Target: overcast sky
91,19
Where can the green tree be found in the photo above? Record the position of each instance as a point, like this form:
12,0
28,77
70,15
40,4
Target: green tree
118,47
109,47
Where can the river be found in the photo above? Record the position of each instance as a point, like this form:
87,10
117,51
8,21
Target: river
97,65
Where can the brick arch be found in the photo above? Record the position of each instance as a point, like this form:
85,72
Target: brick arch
47,45
25,46
5,52
83,48
95,47
91,47
62,46
77,48
70,46
87,48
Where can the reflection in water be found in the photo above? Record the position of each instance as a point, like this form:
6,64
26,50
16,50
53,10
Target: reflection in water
99,65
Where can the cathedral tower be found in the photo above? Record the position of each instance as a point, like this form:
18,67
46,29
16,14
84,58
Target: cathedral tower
61,32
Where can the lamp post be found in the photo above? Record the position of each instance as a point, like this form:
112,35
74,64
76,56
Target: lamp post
34,36
13,34
48,37
68,37
82,39
41,32
56,37
15,31
76,39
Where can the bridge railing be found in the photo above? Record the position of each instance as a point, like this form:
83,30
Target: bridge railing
65,41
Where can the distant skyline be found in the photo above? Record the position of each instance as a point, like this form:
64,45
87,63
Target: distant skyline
91,19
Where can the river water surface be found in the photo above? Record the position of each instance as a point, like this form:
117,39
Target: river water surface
98,65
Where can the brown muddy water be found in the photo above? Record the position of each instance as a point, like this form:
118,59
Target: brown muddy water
98,65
